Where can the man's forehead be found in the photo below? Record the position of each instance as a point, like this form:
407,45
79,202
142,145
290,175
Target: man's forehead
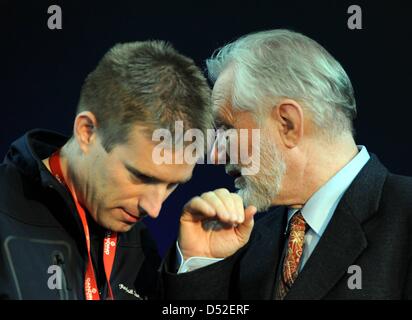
229,117
221,97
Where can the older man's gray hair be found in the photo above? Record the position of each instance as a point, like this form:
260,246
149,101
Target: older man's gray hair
276,64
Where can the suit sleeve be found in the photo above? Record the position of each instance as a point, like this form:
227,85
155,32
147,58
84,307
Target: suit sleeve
213,282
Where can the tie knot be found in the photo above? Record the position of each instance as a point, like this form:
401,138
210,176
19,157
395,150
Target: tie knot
298,223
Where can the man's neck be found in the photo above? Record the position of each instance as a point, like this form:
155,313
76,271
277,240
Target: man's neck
327,164
63,165
323,162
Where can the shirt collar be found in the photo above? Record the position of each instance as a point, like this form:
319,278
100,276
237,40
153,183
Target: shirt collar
319,209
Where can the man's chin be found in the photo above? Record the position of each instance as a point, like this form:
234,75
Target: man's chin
250,199
120,226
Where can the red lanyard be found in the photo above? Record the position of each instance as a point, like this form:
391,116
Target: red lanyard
109,243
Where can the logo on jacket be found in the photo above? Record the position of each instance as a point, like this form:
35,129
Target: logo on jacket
131,292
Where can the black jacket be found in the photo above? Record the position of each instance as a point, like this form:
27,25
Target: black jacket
371,228
40,228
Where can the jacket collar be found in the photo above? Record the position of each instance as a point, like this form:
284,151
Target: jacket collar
27,152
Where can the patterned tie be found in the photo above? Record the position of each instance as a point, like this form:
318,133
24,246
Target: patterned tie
297,227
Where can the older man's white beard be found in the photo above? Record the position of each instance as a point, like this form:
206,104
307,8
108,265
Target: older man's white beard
262,188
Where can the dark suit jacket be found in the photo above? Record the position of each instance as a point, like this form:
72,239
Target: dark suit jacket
371,228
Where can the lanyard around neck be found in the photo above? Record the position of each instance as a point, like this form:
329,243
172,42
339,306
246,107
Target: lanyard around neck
109,242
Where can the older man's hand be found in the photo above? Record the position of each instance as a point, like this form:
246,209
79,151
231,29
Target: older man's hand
215,225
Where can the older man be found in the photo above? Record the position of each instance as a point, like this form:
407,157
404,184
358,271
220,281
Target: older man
343,222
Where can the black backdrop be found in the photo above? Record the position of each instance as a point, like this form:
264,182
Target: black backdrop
42,70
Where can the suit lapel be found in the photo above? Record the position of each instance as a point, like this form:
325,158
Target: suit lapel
344,239
341,244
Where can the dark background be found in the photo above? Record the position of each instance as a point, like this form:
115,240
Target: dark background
43,70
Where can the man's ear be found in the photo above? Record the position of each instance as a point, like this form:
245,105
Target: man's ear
84,130
288,114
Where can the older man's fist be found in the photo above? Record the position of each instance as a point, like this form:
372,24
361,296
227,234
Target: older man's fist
215,225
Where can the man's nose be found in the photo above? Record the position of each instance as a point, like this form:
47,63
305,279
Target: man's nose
152,203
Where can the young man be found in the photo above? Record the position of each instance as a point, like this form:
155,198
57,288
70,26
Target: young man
70,207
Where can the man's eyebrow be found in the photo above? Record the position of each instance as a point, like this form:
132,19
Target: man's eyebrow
149,178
